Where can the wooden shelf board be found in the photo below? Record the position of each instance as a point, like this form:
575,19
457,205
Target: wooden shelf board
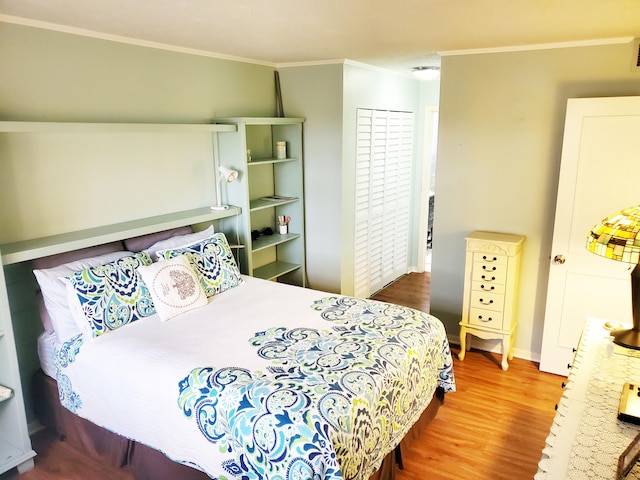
260,120
266,241
266,161
71,127
260,203
64,242
274,270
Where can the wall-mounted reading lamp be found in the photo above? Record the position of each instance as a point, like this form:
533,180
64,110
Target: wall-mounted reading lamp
226,175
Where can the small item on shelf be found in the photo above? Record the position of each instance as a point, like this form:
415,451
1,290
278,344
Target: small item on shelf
281,150
5,393
283,224
248,154
629,408
265,231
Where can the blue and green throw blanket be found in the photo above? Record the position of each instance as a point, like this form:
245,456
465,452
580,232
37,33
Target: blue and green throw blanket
334,402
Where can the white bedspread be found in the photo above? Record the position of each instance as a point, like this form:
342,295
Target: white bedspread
267,381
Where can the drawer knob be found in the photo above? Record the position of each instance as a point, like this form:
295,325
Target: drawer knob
483,319
492,269
486,303
484,277
489,259
485,288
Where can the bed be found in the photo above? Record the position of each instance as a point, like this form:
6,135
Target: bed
158,355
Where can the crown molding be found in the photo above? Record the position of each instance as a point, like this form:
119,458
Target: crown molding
538,46
346,61
312,63
127,40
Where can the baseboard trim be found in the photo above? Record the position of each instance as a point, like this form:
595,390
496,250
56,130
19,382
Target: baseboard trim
34,427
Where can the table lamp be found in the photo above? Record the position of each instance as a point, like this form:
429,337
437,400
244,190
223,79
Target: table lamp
616,237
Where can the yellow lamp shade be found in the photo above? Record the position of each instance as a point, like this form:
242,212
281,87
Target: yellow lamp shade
616,237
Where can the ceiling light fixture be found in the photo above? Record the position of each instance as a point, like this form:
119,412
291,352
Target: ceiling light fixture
426,73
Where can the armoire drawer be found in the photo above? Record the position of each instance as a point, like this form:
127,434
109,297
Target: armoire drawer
490,287
486,300
488,258
479,275
485,318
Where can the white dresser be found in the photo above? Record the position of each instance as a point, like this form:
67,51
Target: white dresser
586,438
491,278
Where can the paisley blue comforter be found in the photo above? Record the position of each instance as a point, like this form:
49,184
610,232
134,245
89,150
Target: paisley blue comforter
325,389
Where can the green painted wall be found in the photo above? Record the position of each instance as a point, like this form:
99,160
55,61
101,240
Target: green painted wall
53,76
499,147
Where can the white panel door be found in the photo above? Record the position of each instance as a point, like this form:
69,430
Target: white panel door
599,175
383,186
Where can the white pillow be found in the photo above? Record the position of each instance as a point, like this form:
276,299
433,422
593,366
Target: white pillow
174,286
54,291
179,241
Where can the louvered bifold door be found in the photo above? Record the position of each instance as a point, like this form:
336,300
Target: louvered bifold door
383,187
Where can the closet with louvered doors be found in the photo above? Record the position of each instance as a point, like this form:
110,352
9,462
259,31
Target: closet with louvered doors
383,198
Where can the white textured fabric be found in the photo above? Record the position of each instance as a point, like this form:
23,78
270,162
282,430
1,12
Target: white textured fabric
133,380
136,351
174,287
47,343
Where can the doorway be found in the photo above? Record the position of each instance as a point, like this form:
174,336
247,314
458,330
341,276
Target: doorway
429,156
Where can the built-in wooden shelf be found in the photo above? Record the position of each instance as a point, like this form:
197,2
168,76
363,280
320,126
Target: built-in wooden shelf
64,242
266,241
264,202
72,127
274,270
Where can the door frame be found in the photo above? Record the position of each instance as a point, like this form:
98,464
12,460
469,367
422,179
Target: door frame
429,143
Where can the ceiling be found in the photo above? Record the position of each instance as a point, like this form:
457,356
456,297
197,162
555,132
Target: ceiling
394,34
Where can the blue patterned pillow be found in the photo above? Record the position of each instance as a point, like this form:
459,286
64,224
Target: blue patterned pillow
214,262
112,295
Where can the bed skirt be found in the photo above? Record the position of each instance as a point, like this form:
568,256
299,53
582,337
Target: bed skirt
146,463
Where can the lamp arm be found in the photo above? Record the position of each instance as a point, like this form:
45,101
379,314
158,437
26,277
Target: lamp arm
630,338
635,297
219,191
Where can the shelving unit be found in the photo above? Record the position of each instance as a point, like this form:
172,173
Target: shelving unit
15,444
251,150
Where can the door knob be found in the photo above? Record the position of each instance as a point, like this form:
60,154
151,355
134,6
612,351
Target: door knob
559,259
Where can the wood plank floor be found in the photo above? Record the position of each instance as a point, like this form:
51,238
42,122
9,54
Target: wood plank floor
493,427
